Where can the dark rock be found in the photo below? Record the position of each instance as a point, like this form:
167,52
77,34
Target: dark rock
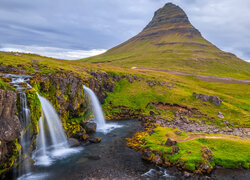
175,149
135,77
10,128
92,157
157,159
151,83
170,142
207,154
226,122
95,140
73,142
152,113
146,154
214,99
129,78
90,127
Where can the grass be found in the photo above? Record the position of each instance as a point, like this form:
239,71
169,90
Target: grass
139,94
193,59
228,151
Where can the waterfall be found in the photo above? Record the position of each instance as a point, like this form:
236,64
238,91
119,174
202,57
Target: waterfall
52,142
56,131
20,82
101,124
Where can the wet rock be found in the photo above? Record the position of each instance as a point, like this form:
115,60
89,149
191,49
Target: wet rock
10,128
187,174
175,149
220,115
170,142
205,168
146,154
73,142
157,159
93,157
95,140
85,137
90,127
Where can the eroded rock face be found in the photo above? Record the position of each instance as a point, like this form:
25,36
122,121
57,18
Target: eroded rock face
66,90
10,127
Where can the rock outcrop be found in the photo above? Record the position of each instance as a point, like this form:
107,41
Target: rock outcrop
10,129
213,99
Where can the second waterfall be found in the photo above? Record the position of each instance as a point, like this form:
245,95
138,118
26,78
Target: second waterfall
52,142
101,124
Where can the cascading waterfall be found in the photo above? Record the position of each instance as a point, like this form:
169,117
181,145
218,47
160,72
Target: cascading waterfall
101,124
52,142
19,81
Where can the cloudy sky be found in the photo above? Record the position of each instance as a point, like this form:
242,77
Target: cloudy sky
73,29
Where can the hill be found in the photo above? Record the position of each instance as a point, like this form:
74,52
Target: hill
171,42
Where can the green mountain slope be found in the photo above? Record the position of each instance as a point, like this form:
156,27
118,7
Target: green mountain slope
170,42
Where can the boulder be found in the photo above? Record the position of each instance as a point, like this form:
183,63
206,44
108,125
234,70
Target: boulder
157,159
146,154
175,149
213,99
73,142
90,127
170,142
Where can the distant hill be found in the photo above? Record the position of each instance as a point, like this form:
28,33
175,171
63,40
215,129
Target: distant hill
171,42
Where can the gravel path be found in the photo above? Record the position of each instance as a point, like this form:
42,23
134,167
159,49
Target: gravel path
200,77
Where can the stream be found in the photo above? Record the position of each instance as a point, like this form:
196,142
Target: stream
109,159
112,159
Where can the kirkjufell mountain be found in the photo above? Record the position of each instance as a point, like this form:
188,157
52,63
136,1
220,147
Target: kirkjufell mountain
171,42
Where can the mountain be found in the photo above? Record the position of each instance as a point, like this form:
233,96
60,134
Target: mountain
171,42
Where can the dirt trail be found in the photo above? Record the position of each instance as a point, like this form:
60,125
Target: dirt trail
195,136
201,77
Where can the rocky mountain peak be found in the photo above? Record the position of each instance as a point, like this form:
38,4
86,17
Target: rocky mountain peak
168,14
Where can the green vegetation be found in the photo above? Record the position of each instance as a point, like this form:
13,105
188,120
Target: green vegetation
228,151
137,96
179,58
35,111
5,86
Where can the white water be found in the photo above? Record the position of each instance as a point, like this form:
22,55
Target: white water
24,162
52,142
101,124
